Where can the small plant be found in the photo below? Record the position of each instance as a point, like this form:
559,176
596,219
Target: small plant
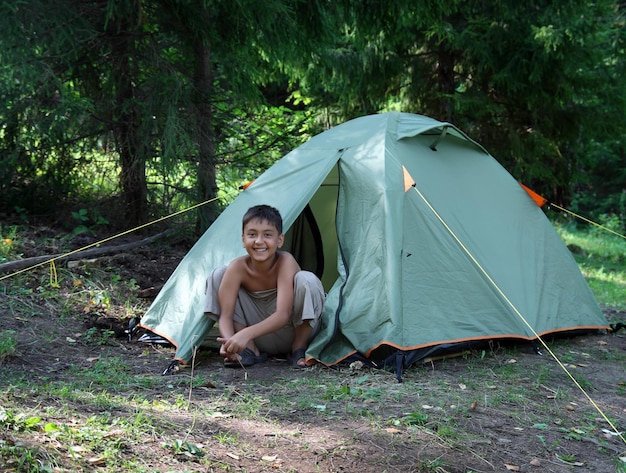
7,243
8,343
97,336
337,392
584,383
432,465
225,438
185,448
19,457
22,213
18,422
567,458
415,418
87,223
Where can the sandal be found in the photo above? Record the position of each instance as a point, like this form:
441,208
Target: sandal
296,356
246,358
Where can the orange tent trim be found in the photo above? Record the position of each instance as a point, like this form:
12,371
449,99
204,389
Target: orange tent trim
539,200
408,179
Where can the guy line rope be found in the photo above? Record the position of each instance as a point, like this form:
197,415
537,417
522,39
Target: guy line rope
51,261
518,313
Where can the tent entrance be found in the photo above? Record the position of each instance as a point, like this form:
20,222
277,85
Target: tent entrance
304,241
312,238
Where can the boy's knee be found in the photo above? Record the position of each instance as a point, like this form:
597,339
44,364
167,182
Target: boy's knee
306,278
211,289
218,274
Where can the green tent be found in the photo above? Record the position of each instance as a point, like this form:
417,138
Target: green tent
421,238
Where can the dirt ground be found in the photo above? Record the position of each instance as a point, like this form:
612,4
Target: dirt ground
489,436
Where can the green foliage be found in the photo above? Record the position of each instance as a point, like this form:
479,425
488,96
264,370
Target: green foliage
601,257
180,447
21,458
602,195
8,343
123,95
87,224
415,418
18,422
276,131
143,109
525,82
97,336
8,243
43,115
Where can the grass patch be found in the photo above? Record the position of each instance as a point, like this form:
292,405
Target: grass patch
91,418
8,343
601,257
104,414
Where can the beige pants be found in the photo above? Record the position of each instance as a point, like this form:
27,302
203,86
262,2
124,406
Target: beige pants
253,307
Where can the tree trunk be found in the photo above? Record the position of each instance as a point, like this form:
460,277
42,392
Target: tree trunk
207,187
133,173
127,117
445,73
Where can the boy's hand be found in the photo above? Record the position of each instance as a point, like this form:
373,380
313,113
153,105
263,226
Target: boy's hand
233,345
227,356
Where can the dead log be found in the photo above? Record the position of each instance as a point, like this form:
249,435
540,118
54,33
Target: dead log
77,255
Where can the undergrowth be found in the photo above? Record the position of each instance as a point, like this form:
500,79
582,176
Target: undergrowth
105,414
601,257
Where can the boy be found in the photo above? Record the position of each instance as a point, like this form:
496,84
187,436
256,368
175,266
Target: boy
264,303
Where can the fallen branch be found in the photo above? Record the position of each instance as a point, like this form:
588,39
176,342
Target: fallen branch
77,255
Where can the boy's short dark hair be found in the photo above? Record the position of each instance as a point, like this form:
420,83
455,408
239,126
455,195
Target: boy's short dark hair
263,212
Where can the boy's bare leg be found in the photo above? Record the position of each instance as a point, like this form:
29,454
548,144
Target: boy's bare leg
301,340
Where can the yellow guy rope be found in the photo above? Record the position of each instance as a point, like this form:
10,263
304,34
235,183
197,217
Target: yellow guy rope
52,260
54,280
466,250
586,220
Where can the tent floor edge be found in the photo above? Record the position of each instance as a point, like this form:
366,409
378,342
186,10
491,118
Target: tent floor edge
171,369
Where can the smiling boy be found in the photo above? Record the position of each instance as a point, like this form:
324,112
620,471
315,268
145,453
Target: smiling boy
264,302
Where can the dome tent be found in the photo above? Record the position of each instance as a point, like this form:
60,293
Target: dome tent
421,238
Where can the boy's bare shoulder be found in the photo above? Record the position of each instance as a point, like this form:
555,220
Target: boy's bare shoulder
238,264
285,255
287,261
239,260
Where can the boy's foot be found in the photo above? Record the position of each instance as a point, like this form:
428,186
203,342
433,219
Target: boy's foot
246,358
298,359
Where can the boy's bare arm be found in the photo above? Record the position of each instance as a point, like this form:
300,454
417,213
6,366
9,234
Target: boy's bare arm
227,297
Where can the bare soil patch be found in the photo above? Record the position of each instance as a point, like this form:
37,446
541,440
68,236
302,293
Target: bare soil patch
504,409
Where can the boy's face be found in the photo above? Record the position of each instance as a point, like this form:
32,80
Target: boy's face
261,239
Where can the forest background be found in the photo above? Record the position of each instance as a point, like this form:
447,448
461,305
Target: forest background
114,113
